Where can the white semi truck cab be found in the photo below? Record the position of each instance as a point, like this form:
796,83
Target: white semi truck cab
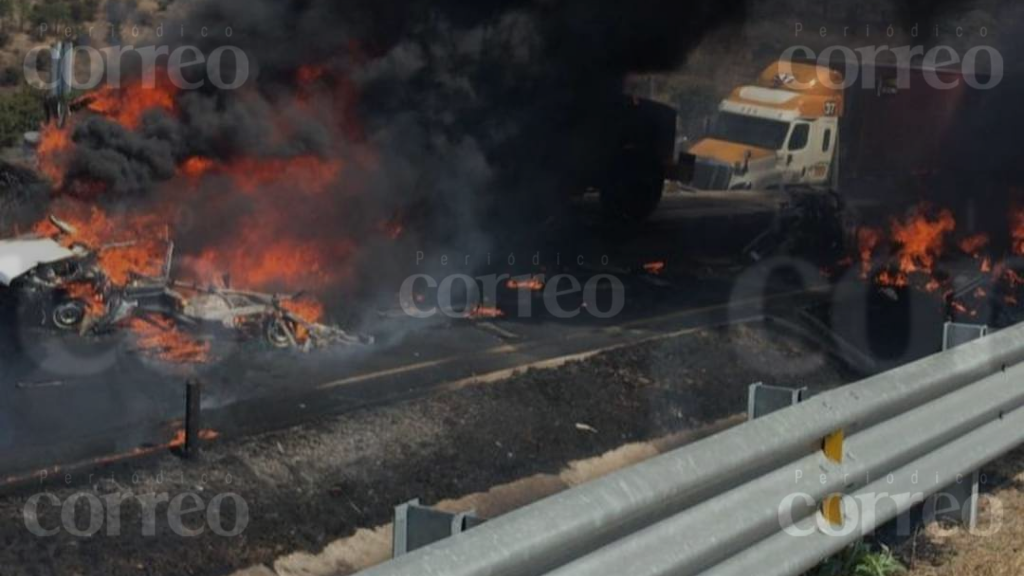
781,131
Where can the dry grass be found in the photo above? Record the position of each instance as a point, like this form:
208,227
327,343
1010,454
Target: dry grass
997,547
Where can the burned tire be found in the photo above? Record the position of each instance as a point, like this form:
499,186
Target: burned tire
279,333
633,188
68,315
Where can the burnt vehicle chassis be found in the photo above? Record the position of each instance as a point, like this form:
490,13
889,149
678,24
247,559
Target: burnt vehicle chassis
73,294
244,314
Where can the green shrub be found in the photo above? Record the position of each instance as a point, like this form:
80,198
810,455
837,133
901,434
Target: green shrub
53,14
861,560
21,110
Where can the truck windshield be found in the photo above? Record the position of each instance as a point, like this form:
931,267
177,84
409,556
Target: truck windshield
749,130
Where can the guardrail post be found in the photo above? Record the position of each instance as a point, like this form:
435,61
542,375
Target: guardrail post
400,529
957,333
763,399
417,526
956,503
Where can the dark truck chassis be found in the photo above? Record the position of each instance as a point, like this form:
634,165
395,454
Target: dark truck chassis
635,167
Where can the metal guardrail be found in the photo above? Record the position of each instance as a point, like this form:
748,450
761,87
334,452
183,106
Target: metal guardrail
713,507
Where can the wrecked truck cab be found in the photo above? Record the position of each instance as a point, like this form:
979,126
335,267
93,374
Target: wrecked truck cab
21,257
48,282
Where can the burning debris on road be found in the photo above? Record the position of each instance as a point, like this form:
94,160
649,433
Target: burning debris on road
921,252
59,282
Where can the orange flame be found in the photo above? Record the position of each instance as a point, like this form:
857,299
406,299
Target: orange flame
896,279
921,240
867,241
305,173
127,105
486,312
655,268
159,337
533,284
196,167
134,239
54,144
86,292
1017,230
308,309
178,440
264,241
917,241
253,260
974,244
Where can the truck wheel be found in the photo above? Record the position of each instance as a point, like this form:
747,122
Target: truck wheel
68,315
633,189
279,333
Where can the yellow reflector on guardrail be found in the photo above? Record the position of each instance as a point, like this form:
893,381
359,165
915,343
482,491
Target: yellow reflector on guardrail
833,446
832,509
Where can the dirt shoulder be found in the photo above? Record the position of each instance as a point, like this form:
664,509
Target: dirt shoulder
996,548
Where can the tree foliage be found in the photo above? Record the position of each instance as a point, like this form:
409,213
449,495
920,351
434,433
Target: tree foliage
21,110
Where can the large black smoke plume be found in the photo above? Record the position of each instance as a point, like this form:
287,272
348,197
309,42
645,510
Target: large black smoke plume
479,114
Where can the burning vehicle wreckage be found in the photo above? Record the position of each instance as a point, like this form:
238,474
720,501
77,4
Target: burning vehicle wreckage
57,283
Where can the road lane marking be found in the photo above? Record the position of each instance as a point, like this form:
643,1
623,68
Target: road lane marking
513,348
